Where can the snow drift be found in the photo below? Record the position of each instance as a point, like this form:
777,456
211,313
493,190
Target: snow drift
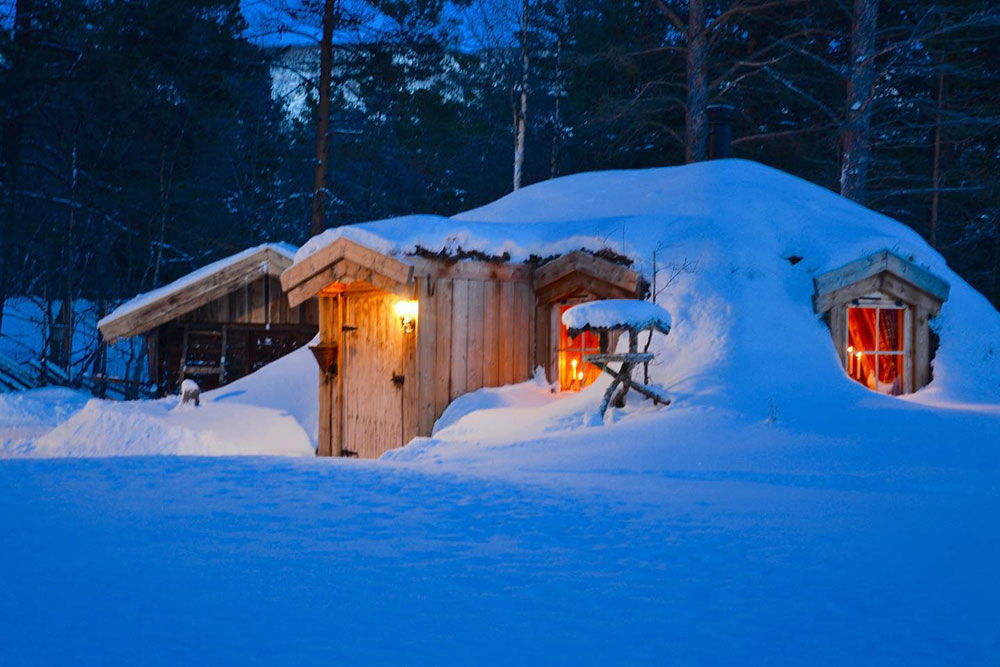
270,412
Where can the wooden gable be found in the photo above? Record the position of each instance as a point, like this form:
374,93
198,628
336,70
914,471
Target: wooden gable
882,272
580,272
347,262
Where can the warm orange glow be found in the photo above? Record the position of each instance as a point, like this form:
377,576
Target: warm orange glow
406,311
875,347
574,372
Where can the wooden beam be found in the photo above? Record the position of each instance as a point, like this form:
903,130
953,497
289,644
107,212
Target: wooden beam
470,270
824,302
426,354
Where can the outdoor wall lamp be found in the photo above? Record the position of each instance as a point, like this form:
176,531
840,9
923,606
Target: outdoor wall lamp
407,313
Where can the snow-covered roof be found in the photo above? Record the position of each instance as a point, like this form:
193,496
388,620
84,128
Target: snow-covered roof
617,314
151,309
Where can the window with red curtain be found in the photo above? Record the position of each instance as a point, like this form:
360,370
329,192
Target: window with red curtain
875,347
574,372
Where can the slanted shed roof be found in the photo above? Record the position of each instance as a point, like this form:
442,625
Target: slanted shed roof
883,272
581,271
151,309
345,261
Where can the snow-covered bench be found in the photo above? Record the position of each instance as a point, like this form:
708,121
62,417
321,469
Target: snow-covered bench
614,316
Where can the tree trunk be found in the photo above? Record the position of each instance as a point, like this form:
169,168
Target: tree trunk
936,176
10,147
559,91
696,125
318,219
67,267
521,106
855,135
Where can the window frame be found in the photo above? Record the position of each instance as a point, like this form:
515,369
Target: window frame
880,303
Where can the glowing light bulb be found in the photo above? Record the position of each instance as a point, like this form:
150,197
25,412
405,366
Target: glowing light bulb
407,313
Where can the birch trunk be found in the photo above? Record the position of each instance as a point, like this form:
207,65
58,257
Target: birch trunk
855,138
521,106
318,218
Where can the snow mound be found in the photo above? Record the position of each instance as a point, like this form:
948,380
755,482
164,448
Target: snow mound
611,313
271,412
112,428
532,393
735,247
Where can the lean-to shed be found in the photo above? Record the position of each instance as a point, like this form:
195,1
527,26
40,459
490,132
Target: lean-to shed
218,323
879,309
403,336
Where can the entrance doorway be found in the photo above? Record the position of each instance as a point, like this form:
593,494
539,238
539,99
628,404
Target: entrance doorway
373,360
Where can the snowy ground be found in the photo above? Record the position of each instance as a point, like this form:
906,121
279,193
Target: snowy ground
161,560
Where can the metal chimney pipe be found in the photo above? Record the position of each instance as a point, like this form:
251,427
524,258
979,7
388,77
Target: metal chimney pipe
720,130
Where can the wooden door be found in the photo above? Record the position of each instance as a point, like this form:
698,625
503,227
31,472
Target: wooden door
373,357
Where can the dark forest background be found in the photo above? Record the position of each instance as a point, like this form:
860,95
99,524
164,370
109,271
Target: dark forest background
144,138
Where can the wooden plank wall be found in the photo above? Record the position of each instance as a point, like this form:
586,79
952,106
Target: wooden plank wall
249,305
329,417
471,334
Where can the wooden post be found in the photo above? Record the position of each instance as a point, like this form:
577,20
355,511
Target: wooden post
325,435
411,381
338,412
921,348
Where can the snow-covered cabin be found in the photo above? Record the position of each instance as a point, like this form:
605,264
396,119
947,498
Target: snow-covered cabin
218,323
404,334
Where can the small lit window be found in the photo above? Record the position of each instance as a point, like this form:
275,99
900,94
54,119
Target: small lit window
876,346
574,372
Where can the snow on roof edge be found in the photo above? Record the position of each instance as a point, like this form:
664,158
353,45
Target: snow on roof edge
141,300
